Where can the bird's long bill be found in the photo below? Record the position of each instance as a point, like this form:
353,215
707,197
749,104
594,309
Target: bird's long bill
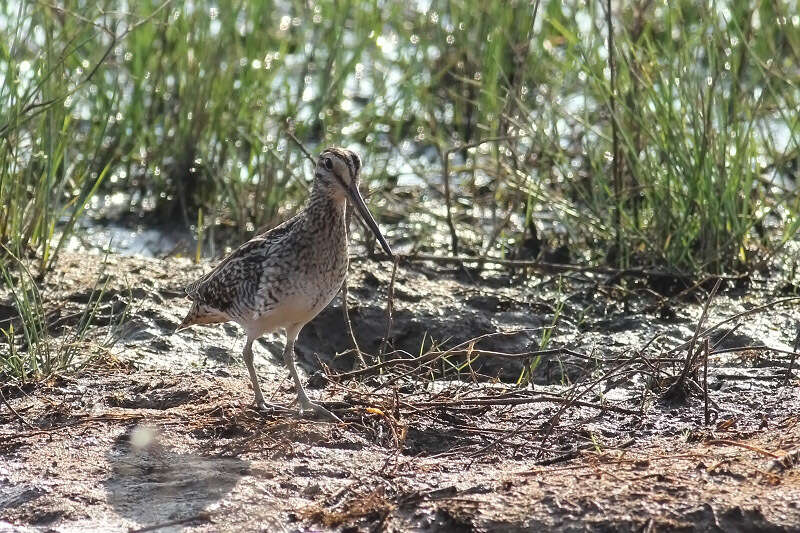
366,216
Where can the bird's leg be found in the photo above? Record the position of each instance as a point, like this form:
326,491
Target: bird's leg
302,398
247,354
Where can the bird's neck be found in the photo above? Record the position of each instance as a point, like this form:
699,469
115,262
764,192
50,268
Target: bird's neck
325,211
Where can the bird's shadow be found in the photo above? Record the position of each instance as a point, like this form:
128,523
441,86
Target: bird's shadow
152,483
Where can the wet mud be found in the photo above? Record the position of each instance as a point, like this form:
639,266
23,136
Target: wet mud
157,432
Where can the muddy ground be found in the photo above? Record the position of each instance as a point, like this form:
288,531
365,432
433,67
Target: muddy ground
157,432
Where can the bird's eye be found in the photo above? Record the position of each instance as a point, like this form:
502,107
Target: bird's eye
328,163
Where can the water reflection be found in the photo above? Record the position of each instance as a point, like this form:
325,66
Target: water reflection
143,241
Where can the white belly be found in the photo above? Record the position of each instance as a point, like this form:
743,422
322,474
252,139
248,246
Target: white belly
291,310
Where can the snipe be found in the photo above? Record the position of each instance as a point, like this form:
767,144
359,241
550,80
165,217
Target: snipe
283,278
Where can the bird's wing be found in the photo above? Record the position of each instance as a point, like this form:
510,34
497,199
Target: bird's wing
236,278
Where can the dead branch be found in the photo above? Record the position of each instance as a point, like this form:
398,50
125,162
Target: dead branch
794,355
737,316
523,401
462,349
551,268
727,442
389,310
349,324
677,391
705,381
19,416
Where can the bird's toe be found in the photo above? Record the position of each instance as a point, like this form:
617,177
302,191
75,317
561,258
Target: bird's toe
266,407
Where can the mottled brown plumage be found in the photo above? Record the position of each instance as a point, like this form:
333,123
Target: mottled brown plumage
283,278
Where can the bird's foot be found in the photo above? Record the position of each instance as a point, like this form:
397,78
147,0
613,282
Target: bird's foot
307,406
265,407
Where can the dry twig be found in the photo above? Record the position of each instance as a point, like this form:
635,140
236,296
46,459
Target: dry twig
19,416
389,310
727,442
794,355
569,402
705,381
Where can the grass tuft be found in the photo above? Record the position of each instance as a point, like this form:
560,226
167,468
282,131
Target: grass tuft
184,107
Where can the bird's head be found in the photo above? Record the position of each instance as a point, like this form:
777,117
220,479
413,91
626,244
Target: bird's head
338,170
336,167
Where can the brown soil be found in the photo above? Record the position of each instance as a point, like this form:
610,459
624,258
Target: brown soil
157,431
